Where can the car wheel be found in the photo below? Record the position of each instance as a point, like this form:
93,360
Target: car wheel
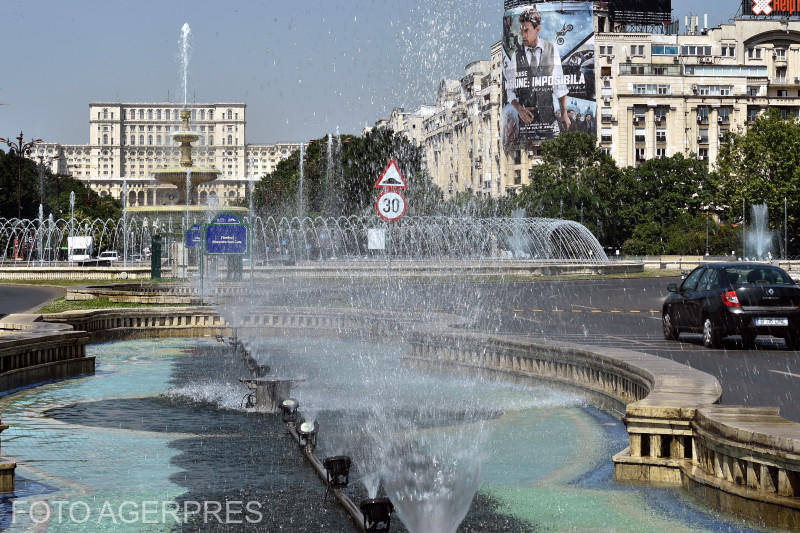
711,336
792,339
748,339
671,333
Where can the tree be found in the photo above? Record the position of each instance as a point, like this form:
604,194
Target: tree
88,204
344,183
576,181
762,165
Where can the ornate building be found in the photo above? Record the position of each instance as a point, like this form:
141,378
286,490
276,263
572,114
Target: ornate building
129,140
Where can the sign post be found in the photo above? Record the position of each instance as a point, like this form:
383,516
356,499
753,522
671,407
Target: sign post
391,205
227,235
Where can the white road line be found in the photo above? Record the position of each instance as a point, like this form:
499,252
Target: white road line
785,373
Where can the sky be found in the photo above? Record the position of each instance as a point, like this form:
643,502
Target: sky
304,68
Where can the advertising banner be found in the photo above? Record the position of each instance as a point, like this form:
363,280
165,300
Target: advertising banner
548,71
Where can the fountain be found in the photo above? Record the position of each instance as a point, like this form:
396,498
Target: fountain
758,235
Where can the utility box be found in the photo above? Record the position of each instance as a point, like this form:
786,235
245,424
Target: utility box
155,257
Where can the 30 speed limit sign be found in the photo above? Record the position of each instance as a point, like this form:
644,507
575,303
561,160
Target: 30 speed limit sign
391,205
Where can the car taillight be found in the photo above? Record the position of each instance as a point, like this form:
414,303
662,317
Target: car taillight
730,299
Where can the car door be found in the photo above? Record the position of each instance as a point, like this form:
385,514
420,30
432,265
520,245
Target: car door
686,301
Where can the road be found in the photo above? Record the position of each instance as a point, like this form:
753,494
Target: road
22,298
617,313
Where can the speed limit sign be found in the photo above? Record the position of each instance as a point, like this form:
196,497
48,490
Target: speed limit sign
391,205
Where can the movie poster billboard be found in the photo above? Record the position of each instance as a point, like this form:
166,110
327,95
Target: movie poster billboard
548,71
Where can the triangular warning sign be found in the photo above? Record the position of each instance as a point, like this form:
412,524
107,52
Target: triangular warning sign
391,178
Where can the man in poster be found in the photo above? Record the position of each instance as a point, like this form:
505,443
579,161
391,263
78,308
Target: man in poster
534,77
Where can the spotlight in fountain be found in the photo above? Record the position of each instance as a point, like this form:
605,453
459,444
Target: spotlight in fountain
308,434
289,410
377,514
338,469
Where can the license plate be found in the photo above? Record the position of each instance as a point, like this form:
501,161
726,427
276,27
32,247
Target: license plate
772,321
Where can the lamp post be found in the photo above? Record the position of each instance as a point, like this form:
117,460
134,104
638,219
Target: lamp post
21,150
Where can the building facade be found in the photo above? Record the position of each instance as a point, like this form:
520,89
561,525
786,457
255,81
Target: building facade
127,141
658,95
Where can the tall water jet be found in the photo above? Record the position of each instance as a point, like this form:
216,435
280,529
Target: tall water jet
186,34
300,185
328,177
759,237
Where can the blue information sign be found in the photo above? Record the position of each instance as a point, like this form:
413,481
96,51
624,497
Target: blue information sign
194,237
226,239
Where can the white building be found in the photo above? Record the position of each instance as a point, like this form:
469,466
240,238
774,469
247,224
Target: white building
130,140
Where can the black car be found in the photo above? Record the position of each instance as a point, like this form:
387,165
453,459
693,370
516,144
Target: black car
721,299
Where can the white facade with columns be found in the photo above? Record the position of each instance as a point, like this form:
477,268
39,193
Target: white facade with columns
130,140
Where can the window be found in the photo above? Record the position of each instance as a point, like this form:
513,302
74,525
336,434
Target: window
639,88
663,50
640,154
167,113
517,177
780,73
124,139
230,114
202,114
211,140
517,157
661,153
605,71
728,50
661,135
605,135
783,93
724,114
695,50
194,114
702,115
702,136
230,139
637,50
133,139
210,114
780,53
141,139
158,139
105,114
105,138
690,283
702,154
606,50
158,114
752,91
141,114
754,53
639,134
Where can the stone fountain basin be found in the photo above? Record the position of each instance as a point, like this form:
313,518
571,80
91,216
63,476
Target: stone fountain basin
177,175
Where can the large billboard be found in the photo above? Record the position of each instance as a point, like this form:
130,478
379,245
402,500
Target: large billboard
771,8
548,71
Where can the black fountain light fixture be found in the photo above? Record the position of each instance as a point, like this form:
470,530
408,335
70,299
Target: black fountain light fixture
308,434
338,469
21,150
377,514
289,410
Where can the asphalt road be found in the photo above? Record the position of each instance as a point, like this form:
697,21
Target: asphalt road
627,314
22,298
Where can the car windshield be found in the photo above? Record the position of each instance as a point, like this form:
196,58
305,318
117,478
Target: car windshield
757,275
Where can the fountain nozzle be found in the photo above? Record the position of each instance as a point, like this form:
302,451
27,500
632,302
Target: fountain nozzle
289,410
308,434
377,514
338,469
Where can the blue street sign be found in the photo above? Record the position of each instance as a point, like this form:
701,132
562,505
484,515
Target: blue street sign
194,237
226,239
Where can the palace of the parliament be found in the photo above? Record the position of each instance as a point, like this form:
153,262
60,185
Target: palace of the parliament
130,140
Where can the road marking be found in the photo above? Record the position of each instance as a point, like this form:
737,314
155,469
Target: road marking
577,311
538,310
518,310
634,311
597,310
615,311
785,373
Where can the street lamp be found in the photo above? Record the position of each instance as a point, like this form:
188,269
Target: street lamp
21,150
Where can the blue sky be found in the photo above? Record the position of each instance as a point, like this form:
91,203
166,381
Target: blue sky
303,68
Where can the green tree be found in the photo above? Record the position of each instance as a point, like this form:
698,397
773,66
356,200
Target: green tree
576,181
88,204
344,184
762,165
